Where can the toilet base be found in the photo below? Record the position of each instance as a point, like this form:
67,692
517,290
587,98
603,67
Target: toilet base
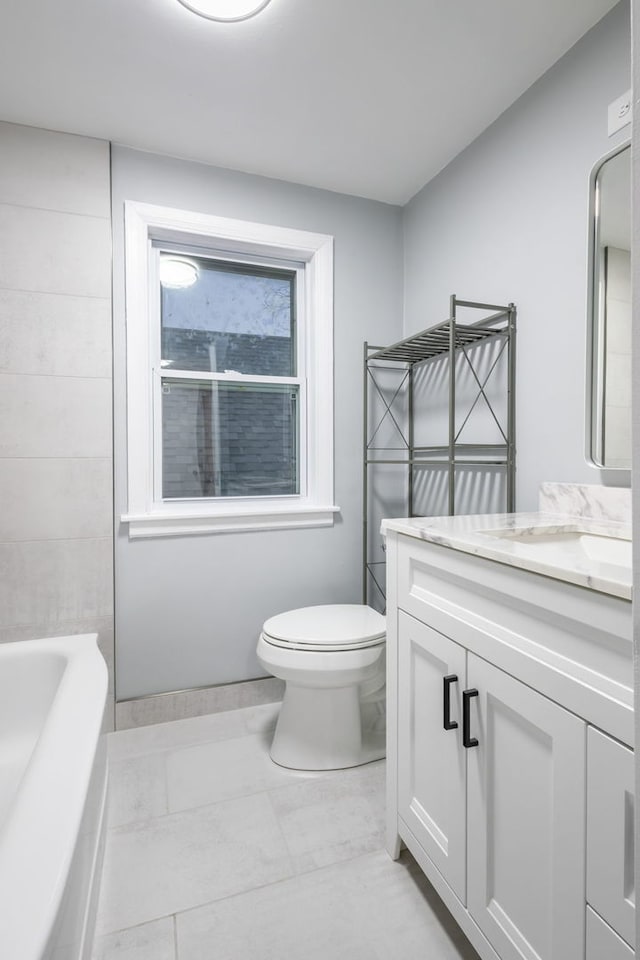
328,729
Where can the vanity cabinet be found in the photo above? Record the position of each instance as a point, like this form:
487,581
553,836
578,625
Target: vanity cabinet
492,775
495,764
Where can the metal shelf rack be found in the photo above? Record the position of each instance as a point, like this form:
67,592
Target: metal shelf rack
445,341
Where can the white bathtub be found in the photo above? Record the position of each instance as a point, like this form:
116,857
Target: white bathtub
53,777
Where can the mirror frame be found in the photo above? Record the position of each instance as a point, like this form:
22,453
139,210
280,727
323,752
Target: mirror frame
594,401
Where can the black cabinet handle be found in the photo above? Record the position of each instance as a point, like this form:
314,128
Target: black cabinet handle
448,723
467,739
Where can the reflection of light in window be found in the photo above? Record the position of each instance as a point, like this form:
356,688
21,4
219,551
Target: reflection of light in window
227,10
177,273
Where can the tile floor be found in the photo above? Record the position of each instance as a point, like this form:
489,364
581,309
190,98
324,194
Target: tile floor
215,853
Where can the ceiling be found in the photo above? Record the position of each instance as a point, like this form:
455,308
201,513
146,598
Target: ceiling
367,97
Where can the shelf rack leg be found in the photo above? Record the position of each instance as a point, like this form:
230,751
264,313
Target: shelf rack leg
365,469
511,411
410,478
452,403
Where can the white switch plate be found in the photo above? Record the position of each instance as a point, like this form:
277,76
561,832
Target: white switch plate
619,113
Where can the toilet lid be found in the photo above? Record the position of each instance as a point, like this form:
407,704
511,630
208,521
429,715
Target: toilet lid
335,626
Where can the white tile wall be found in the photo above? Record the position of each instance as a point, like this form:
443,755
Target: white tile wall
56,528
55,416
49,580
68,498
54,171
54,334
52,252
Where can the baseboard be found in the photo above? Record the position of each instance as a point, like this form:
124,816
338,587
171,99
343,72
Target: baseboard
196,703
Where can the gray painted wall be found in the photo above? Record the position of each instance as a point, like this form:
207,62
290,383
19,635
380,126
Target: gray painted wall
56,521
189,609
507,220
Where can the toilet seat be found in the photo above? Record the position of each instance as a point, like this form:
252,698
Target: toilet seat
327,628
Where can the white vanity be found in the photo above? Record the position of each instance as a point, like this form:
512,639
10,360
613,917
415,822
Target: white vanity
510,727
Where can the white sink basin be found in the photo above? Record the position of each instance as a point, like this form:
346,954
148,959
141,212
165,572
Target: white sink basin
566,542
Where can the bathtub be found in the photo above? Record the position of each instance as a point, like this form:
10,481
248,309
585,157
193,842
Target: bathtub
53,780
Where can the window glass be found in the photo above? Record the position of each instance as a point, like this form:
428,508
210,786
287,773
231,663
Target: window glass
222,439
221,317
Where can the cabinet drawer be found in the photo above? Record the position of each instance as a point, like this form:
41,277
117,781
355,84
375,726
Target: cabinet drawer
610,856
603,943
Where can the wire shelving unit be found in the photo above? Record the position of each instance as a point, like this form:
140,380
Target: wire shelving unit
445,341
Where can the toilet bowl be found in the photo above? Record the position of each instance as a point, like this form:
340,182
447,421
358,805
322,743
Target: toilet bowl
332,659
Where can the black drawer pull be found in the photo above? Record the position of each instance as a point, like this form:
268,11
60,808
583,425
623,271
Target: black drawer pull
467,739
448,723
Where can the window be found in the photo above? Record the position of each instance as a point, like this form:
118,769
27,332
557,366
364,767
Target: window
229,374
231,384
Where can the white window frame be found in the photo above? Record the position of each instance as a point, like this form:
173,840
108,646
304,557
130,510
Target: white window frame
149,516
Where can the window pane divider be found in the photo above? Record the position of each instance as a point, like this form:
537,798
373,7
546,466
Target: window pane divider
172,374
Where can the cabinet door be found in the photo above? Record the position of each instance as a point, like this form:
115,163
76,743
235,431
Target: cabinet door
603,943
526,826
431,761
610,884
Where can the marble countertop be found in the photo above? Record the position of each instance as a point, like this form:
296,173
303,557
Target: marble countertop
491,536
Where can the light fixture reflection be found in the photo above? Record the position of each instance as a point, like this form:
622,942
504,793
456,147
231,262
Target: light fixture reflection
225,10
177,273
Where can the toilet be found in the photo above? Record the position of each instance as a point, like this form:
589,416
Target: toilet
332,659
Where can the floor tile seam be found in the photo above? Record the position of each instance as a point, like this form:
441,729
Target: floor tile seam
133,926
269,790
176,914
122,827
240,796
173,813
326,777
262,886
155,751
143,923
344,860
281,831
197,742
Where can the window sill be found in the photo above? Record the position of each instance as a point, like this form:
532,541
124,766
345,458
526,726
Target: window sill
167,523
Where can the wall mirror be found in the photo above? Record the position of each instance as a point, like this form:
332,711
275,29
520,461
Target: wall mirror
609,313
